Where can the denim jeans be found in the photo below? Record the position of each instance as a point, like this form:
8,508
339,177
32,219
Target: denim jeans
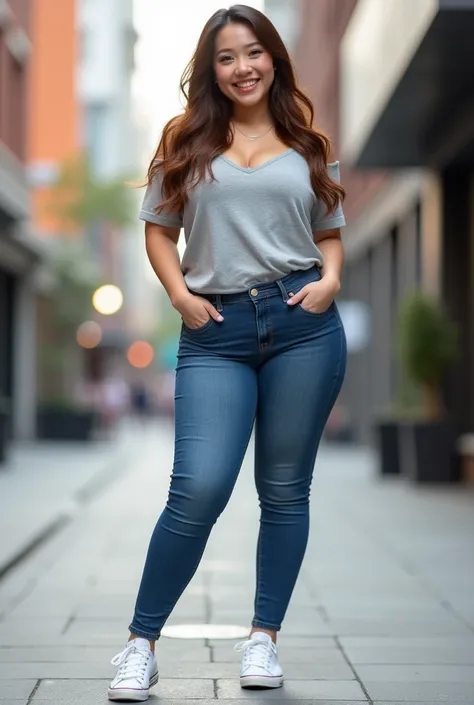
280,367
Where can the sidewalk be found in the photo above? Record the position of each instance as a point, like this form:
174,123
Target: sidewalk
42,485
383,611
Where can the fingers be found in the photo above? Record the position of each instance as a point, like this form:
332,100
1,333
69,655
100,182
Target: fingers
296,298
213,312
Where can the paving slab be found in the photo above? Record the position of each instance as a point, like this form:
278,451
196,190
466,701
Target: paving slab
296,690
92,654
417,673
48,480
62,690
421,692
17,689
408,654
371,595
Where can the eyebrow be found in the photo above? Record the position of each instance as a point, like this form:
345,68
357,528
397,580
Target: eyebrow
246,46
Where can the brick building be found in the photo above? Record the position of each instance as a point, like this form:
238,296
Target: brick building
392,85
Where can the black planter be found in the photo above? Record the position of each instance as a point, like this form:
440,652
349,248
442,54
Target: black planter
58,424
387,444
428,452
4,424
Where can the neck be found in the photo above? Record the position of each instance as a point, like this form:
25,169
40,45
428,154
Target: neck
256,116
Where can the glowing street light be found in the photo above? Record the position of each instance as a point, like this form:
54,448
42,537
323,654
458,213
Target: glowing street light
89,335
107,299
140,354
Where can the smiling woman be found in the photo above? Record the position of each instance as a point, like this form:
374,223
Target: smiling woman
240,80
247,176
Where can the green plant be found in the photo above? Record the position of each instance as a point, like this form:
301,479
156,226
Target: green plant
79,198
427,344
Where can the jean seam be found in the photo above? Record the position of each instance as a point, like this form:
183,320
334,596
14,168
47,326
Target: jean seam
266,625
143,634
259,570
181,593
331,399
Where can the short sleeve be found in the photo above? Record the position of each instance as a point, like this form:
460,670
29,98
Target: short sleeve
152,198
320,220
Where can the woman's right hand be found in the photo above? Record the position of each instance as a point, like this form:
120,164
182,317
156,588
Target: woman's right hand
196,310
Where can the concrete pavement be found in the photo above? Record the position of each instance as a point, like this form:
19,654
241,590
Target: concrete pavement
383,611
43,484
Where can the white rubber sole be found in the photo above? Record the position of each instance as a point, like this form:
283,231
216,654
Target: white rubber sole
261,681
133,696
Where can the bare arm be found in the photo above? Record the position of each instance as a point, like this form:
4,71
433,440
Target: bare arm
330,244
162,249
317,296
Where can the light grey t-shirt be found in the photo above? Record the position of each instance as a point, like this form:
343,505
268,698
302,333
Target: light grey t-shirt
252,225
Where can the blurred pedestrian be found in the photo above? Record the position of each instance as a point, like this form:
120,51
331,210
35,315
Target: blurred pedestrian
140,401
114,401
262,341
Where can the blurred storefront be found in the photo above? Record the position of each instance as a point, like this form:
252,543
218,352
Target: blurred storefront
392,84
19,252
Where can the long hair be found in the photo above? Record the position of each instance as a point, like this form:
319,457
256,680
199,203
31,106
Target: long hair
192,140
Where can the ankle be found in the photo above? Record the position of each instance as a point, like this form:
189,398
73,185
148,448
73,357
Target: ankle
151,642
271,633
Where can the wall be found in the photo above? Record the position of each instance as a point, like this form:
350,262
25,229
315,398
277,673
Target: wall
54,133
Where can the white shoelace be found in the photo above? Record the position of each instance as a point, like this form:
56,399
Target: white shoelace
132,663
257,652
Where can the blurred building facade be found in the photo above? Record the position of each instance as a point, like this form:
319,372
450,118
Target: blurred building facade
391,82
19,252
107,38
285,15
65,87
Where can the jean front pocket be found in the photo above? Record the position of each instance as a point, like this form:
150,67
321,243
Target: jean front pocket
317,314
315,277
201,329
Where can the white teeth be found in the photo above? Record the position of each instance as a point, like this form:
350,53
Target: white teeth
247,84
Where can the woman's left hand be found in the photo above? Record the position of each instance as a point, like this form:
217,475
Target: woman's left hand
316,297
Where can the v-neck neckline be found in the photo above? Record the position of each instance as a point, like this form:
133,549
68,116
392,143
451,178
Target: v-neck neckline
252,169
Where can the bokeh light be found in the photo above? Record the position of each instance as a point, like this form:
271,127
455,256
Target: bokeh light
107,299
140,354
89,334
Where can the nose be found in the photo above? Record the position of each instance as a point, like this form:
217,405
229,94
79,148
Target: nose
242,69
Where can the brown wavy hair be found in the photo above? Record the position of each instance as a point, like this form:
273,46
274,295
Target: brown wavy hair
192,140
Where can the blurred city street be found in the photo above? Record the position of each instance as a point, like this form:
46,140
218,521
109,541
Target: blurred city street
382,612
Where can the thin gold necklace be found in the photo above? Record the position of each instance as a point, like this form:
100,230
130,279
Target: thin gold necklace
253,138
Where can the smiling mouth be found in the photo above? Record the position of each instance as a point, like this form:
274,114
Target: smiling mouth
247,85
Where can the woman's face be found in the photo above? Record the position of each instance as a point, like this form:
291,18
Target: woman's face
243,68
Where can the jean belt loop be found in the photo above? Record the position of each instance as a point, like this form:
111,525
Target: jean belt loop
219,306
282,288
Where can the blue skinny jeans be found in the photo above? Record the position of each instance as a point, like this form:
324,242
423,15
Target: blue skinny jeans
271,364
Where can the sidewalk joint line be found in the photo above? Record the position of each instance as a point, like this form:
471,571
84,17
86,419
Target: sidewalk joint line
34,691
356,676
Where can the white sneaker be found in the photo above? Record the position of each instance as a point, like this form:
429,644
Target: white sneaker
260,667
137,672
